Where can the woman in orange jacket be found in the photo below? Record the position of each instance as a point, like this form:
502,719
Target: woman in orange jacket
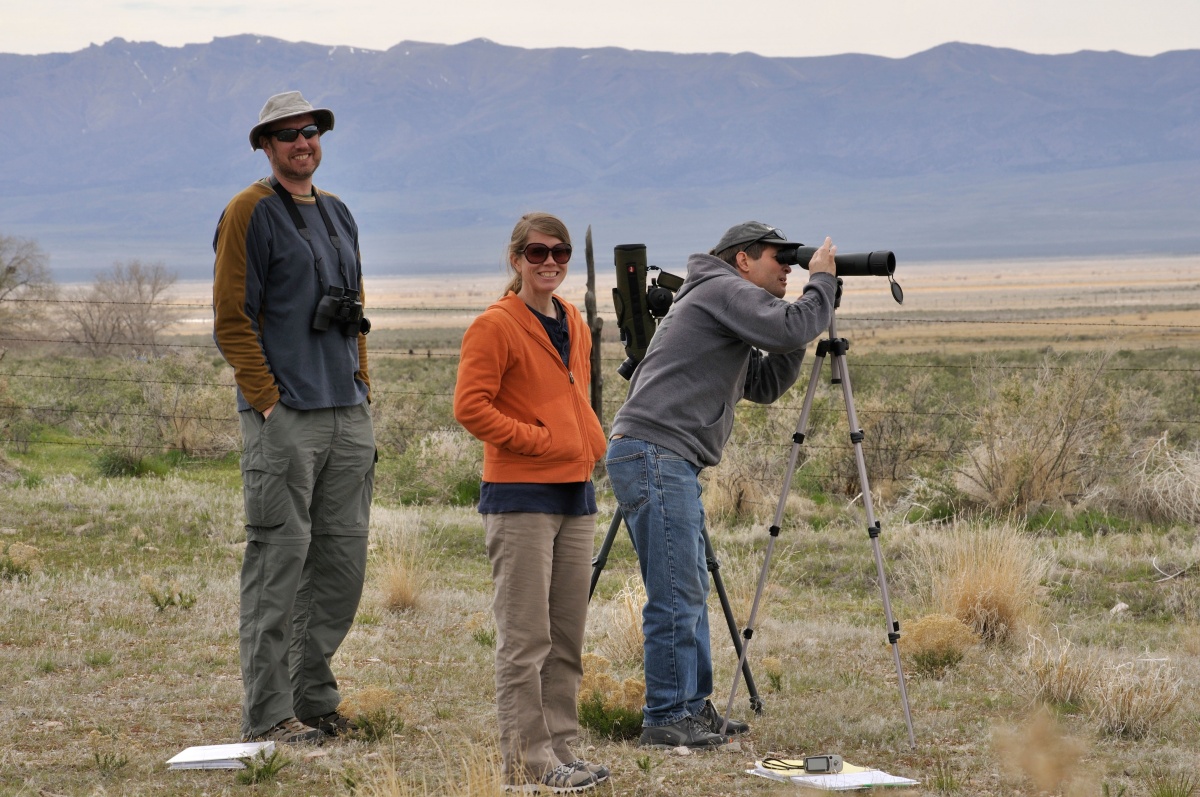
523,387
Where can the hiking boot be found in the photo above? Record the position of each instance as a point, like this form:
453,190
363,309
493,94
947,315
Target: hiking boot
290,731
332,724
714,721
566,778
599,770
688,732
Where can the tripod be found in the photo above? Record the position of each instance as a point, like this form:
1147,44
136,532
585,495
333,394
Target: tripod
835,347
714,568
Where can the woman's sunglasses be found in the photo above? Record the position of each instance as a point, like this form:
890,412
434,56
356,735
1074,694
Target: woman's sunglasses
290,134
537,253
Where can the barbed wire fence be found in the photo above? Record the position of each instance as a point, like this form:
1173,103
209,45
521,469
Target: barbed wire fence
192,406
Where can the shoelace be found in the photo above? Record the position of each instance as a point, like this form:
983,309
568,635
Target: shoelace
561,774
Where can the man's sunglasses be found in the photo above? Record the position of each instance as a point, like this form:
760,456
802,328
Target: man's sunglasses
290,134
537,253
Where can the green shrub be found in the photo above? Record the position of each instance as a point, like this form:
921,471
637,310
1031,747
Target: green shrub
261,768
117,462
609,721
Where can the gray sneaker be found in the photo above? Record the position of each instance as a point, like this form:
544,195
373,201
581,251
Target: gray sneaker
599,770
714,721
566,778
687,732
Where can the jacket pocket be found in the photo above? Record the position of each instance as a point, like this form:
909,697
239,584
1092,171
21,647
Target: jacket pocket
564,443
265,489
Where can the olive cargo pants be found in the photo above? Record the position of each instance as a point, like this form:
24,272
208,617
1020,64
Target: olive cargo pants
308,477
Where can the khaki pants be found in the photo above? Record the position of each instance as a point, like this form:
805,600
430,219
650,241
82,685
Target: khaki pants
541,568
308,478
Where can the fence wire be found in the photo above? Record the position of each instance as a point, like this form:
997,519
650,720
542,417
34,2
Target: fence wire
429,353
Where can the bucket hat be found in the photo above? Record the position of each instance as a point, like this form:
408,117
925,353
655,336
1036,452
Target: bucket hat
289,103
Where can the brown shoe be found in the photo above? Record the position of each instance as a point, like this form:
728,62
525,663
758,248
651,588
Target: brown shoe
291,731
332,724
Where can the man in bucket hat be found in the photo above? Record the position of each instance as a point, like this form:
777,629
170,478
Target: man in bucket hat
729,335
287,301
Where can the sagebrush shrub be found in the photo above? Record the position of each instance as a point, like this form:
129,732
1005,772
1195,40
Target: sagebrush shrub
608,707
189,403
442,466
744,487
1165,484
1045,440
903,430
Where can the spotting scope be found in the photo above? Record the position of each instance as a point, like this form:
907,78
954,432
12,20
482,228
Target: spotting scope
864,264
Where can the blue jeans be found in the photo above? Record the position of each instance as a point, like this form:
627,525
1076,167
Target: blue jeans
658,493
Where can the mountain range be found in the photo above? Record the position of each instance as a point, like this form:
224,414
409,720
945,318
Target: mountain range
130,150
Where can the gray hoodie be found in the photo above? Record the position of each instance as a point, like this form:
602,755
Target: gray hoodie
723,339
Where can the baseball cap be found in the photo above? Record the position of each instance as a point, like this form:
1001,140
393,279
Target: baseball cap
749,232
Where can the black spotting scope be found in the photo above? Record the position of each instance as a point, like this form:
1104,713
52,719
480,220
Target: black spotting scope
865,264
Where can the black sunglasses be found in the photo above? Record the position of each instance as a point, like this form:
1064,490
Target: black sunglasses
289,134
536,253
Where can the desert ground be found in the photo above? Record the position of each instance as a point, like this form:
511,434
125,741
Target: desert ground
1049,638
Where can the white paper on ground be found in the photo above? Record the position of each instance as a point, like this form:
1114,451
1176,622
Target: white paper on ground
219,756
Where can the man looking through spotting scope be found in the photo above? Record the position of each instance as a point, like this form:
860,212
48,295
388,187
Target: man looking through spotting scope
729,335
287,300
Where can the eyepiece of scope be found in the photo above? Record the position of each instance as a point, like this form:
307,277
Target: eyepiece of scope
864,264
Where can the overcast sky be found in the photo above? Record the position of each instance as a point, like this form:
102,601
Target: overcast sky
894,28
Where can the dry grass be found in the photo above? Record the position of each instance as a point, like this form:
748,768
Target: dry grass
986,575
402,575
1061,674
142,683
1134,699
621,619
472,770
745,486
936,643
100,687
1040,752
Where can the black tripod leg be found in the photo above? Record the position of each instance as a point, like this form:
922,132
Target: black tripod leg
714,567
601,557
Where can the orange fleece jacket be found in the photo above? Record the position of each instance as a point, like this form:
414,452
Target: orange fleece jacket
532,413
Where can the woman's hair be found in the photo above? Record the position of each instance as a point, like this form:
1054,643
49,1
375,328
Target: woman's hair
531,222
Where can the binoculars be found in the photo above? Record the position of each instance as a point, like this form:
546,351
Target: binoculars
341,306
